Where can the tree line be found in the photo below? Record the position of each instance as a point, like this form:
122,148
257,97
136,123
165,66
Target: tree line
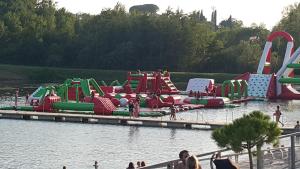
35,32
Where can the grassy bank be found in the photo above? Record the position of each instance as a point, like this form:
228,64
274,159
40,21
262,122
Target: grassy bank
30,74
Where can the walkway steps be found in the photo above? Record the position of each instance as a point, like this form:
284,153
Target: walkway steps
115,120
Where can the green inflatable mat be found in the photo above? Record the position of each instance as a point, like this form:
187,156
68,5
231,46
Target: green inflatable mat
22,108
200,101
232,105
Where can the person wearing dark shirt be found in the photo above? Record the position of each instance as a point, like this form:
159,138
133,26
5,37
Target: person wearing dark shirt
130,108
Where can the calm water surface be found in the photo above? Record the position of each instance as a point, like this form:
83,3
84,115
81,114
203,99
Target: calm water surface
33,144
50,145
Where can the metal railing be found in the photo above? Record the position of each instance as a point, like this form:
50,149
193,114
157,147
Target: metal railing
287,153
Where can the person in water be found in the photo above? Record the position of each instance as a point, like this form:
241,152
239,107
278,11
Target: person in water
96,165
131,166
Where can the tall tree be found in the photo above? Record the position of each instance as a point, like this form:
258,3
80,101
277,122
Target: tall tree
35,32
202,18
290,21
198,16
231,23
214,19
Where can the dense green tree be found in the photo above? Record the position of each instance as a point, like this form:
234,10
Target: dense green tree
231,23
227,53
36,32
146,8
249,56
198,16
290,22
202,18
252,130
213,19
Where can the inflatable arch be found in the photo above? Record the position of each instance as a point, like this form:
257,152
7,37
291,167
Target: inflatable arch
240,85
115,83
102,83
40,94
264,66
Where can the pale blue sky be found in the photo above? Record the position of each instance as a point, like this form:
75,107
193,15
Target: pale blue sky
268,12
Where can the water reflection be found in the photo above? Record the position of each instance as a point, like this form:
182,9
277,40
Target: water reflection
172,134
133,133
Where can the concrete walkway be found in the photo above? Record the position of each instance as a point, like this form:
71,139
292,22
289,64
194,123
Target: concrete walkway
276,159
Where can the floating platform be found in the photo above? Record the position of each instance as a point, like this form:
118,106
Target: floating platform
242,100
115,120
206,101
98,119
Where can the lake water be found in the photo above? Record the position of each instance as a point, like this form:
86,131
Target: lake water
50,145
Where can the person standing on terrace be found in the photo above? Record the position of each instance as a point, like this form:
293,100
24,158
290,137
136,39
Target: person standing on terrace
96,165
297,127
193,163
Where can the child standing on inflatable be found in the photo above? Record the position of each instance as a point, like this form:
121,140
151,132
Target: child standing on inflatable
277,115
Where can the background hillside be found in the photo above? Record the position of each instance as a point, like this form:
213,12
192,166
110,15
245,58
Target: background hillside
36,33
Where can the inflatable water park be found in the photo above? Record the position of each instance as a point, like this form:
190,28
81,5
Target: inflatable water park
155,93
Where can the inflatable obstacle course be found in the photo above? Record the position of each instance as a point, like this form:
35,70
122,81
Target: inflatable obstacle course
280,86
290,80
141,114
200,84
258,85
234,89
155,82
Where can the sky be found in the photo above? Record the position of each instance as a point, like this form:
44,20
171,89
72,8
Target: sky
268,12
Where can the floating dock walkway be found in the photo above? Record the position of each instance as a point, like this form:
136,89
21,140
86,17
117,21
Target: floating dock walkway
114,120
